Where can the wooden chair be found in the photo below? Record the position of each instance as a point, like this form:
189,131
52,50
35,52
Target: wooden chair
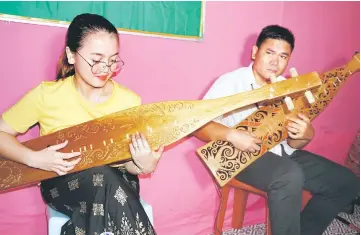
241,191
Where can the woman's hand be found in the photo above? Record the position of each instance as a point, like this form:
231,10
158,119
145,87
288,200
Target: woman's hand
143,156
49,159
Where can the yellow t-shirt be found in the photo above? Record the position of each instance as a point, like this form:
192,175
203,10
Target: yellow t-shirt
58,105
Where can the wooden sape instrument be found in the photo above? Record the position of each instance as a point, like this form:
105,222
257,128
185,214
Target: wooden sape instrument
268,123
106,140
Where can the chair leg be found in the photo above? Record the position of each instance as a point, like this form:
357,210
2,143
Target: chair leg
268,222
239,208
222,210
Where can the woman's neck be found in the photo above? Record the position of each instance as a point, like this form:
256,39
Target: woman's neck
90,93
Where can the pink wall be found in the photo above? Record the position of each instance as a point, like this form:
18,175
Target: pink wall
181,191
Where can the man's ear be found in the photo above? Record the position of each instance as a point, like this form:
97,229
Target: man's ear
70,55
254,52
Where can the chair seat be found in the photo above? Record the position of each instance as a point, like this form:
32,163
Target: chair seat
240,185
56,219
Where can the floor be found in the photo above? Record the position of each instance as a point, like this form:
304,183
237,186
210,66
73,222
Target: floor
335,228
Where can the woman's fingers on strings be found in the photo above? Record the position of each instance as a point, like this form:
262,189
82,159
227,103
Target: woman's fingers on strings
70,163
59,172
145,142
139,141
132,149
57,146
70,155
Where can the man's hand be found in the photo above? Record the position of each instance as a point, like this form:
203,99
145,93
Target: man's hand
244,140
300,128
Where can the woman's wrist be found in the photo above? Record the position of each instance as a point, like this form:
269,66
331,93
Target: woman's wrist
29,158
145,168
132,168
137,169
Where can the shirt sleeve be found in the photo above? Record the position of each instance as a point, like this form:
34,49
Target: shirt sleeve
26,112
220,88
139,101
134,100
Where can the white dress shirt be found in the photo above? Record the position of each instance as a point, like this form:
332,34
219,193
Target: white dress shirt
231,83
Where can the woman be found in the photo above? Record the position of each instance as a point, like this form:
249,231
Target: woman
101,199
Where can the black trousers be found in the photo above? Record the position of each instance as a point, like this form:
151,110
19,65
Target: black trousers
333,187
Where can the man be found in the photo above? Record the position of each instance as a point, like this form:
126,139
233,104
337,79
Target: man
285,170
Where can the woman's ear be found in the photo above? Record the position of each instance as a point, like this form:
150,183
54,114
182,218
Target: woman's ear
70,55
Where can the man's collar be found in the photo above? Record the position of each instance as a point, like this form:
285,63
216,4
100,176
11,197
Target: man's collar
251,80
